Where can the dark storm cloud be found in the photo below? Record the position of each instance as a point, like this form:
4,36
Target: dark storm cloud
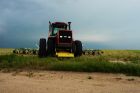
21,23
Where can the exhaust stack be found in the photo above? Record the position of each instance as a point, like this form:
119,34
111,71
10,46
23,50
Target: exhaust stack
69,24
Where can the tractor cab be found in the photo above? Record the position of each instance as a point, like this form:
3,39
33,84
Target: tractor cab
54,28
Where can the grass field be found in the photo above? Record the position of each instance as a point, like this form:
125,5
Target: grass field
126,56
112,61
6,51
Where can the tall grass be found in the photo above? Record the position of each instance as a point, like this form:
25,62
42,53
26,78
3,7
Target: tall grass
80,64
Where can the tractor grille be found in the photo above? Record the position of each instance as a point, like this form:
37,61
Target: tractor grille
65,36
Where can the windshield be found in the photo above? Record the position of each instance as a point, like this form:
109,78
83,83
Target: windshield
55,30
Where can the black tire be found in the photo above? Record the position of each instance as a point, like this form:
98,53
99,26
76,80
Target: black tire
42,48
51,47
77,48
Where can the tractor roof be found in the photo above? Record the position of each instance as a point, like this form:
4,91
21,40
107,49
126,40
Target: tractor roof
59,23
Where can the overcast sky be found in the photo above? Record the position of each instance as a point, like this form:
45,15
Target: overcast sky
107,24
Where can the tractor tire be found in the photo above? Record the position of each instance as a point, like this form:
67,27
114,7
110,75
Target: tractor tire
51,47
77,48
42,48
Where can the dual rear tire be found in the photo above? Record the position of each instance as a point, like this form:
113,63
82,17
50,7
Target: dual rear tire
77,48
42,48
51,47
50,51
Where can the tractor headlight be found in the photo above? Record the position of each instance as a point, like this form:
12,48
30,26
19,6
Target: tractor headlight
61,36
69,36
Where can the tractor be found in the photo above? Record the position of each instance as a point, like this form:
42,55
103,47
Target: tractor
60,42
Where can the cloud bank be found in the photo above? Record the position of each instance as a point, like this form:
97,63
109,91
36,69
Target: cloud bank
113,24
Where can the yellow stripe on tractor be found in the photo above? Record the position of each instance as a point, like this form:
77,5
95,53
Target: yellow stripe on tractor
64,54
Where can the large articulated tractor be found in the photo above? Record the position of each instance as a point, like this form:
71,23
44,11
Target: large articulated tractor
60,42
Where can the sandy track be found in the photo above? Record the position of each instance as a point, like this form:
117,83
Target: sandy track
67,82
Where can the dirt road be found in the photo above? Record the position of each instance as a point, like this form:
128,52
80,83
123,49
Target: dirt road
67,82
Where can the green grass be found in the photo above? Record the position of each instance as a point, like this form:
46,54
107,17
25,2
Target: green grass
130,65
123,55
80,64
